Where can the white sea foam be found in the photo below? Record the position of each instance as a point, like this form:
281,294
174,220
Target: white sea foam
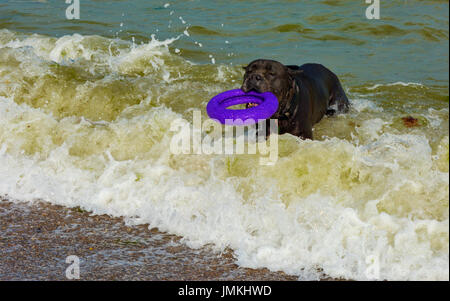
318,230
395,84
372,209
362,104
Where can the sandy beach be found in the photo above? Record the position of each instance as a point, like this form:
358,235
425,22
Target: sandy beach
108,152
36,238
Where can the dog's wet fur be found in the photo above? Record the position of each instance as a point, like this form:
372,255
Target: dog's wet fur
305,93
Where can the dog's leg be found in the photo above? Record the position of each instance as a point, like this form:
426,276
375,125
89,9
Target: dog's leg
338,101
341,99
303,131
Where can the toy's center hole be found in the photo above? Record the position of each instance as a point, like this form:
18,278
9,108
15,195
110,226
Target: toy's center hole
239,103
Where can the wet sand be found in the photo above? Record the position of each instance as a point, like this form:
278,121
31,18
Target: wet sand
36,238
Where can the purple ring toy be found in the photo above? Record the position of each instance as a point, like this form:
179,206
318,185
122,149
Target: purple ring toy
217,107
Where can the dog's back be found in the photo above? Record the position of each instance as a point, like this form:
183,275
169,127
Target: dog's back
326,84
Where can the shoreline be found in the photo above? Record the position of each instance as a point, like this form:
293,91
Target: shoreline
36,238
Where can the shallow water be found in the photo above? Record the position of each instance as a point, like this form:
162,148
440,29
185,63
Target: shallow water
86,108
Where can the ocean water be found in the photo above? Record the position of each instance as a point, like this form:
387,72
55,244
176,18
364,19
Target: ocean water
86,108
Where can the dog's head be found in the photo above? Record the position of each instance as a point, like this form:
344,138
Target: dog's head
270,76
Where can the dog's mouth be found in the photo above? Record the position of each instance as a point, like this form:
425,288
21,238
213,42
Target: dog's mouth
249,87
247,90
252,89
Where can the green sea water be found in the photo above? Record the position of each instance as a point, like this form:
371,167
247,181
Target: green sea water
86,107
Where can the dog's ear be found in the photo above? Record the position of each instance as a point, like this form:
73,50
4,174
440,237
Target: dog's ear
293,71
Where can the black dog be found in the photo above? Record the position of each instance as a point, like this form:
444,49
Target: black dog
305,94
